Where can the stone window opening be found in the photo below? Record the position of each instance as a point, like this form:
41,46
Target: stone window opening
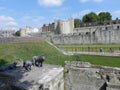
119,79
114,22
87,33
108,23
93,32
118,27
106,28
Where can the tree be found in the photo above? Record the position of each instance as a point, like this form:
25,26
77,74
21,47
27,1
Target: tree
105,16
17,33
91,17
77,22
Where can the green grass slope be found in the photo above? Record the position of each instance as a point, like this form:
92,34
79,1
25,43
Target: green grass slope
12,51
26,50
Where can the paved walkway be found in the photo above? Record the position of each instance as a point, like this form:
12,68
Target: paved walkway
86,53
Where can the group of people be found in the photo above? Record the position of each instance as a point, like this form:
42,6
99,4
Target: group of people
36,61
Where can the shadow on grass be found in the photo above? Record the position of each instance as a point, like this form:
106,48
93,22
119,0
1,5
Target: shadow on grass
3,62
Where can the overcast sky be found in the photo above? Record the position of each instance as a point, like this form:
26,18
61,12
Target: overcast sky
35,13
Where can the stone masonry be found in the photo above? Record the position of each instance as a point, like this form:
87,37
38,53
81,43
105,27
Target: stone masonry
48,77
84,76
108,34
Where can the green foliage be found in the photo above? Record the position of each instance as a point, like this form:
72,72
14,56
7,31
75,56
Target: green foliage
105,16
77,22
91,17
17,33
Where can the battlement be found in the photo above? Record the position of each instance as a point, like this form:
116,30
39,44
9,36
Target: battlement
102,23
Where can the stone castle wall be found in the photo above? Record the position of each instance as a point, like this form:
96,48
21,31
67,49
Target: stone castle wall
91,35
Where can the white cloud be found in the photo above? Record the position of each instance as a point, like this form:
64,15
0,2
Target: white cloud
11,23
49,3
7,22
85,1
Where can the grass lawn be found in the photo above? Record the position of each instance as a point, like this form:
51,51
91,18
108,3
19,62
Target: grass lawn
12,51
25,51
90,48
101,60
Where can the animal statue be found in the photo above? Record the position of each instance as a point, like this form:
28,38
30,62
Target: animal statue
34,59
38,60
27,65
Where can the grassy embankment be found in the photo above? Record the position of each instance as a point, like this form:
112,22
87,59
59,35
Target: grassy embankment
25,51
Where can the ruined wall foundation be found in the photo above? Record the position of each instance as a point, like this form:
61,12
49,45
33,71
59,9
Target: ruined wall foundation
84,76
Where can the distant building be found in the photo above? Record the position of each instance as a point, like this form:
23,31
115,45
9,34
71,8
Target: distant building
29,31
59,27
7,33
26,32
48,28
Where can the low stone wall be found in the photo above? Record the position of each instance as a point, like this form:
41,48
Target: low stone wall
52,80
20,39
84,76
